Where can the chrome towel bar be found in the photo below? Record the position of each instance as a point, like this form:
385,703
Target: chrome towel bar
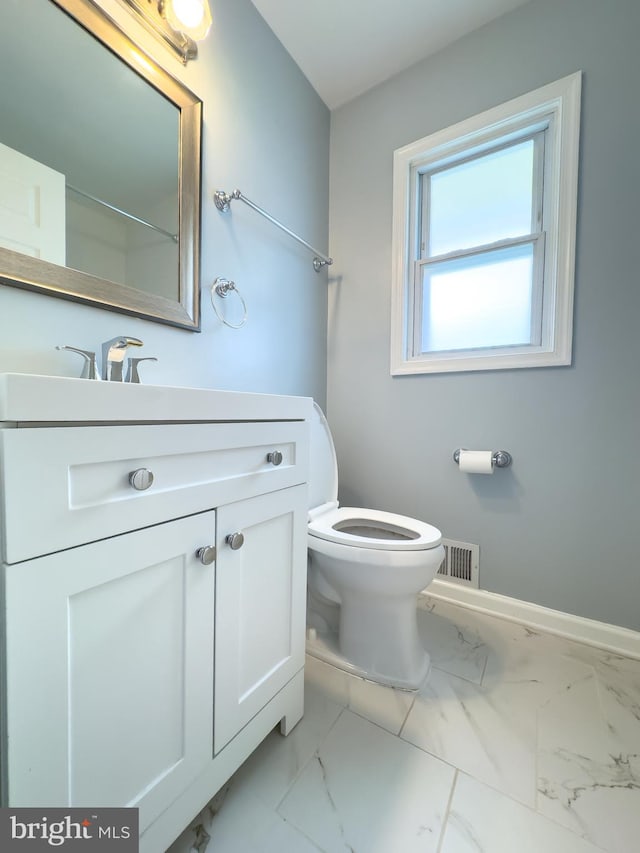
223,203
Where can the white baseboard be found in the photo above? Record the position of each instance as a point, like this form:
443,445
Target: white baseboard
611,638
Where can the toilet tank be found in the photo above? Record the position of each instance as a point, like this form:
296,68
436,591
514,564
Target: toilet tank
323,476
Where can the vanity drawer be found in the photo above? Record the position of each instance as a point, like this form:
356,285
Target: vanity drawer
70,485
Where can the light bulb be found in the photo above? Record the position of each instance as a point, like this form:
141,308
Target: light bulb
192,17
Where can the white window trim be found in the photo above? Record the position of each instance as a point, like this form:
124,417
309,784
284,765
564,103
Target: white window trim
557,106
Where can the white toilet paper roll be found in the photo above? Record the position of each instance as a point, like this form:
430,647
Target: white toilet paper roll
476,461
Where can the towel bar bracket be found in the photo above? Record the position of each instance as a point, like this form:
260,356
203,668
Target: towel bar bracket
223,200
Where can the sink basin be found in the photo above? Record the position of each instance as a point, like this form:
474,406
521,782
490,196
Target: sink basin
26,397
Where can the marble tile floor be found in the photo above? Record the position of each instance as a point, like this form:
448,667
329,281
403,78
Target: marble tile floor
520,741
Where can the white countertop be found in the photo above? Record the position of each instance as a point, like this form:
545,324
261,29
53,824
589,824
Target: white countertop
29,398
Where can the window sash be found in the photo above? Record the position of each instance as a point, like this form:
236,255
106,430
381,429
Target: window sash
536,240
425,173
536,237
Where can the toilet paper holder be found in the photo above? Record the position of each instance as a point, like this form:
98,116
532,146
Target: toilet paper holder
499,458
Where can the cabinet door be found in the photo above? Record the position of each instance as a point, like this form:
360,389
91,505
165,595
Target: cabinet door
260,605
110,670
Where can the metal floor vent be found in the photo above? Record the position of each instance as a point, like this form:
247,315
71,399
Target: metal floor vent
460,564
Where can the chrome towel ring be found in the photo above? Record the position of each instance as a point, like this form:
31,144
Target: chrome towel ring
222,287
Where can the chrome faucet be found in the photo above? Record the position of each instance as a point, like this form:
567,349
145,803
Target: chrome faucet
114,353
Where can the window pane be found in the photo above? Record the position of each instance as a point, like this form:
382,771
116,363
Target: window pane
478,301
481,201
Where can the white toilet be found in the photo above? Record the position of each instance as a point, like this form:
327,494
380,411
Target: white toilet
366,568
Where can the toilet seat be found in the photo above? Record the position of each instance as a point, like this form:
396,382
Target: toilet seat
370,528
354,526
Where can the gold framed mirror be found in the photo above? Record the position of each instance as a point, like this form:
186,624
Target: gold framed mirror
100,161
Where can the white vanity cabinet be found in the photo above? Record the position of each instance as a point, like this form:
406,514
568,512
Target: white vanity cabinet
151,637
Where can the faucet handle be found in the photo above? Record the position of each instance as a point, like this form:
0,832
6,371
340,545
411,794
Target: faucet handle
132,369
89,369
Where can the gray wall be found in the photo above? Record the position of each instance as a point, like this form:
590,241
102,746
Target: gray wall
267,132
561,527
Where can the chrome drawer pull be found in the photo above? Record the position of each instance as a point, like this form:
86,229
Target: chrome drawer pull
235,541
141,479
206,555
275,457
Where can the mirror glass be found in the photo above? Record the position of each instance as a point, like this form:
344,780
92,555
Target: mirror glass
99,165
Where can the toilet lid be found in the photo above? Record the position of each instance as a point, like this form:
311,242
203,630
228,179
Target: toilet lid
323,477
372,528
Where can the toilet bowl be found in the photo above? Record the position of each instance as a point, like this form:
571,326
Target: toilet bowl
366,568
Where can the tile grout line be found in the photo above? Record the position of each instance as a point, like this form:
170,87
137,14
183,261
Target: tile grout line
406,716
447,812
532,809
299,832
304,766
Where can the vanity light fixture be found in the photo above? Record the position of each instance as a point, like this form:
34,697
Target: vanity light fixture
179,23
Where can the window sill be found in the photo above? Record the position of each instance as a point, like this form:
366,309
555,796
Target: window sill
464,362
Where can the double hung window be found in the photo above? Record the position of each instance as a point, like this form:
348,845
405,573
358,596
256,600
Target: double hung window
484,225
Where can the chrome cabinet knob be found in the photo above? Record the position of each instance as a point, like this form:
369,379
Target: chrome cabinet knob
235,541
141,479
206,555
275,457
